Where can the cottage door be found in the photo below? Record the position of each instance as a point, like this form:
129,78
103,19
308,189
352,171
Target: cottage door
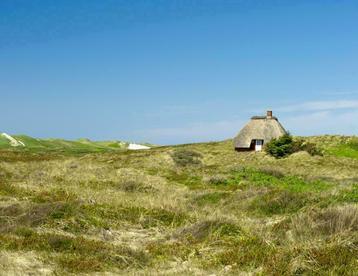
258,145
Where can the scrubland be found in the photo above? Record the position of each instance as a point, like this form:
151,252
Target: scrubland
198,209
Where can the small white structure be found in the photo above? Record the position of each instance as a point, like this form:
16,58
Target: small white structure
137,147
13,141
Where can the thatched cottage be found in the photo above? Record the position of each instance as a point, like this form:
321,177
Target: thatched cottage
257,132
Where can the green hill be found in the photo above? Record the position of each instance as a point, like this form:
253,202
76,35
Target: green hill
60,145
196,209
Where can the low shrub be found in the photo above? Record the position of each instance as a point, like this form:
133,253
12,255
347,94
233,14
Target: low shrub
281,147
311,148
185,157
286,145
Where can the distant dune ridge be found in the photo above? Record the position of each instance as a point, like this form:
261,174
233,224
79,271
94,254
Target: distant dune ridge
24,142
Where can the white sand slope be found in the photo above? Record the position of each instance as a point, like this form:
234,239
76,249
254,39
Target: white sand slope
13,141
137,147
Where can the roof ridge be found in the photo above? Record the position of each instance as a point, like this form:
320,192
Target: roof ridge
263,117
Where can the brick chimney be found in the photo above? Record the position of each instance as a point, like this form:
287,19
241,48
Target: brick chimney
269,114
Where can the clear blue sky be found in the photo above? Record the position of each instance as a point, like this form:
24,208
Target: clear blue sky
176,71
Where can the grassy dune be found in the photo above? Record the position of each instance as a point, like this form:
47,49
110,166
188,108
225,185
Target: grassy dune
195,209
79,146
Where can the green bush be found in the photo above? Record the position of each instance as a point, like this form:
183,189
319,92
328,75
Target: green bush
280,147
286,145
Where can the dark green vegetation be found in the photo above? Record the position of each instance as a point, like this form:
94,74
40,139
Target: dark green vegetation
286,145
190,210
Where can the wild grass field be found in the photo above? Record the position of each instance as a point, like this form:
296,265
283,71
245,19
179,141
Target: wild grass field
198,209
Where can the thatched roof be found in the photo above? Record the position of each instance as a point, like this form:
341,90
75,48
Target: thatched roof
259,128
